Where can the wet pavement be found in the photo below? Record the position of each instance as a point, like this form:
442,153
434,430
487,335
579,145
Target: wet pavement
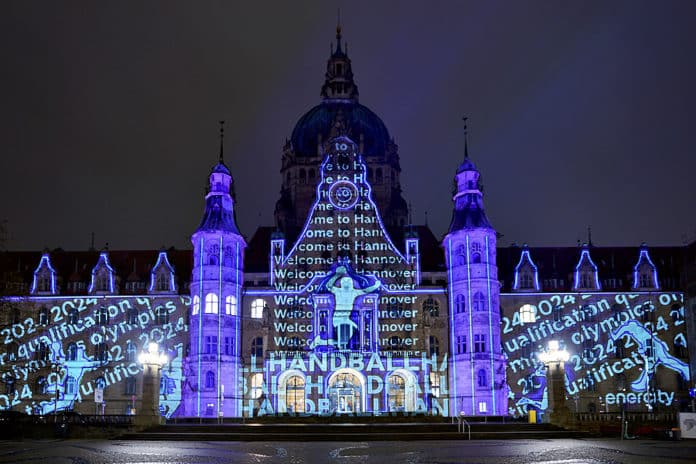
559,451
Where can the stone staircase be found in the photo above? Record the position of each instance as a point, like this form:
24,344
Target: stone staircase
335,429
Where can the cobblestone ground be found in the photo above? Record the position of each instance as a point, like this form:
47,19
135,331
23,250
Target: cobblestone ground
438,452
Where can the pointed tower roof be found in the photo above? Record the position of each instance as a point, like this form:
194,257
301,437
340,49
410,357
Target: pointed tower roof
219,205
468,200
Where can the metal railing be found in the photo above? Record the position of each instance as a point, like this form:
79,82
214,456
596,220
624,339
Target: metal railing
464,425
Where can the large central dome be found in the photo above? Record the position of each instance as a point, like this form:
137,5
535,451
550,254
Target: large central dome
347,117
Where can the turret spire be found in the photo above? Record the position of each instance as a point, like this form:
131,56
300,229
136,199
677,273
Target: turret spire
222,138
466,139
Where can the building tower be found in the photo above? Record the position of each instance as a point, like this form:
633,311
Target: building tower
213,361
477,372
338,114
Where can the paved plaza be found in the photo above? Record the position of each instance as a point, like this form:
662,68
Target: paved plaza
565,451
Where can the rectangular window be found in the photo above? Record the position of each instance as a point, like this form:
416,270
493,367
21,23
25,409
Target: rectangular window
130,386
229,349
479,343
483,407
435,384
461,344
210,345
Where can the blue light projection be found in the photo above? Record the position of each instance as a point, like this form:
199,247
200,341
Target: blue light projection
55,366
616,341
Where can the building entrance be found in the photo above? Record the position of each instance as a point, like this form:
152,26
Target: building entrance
345,393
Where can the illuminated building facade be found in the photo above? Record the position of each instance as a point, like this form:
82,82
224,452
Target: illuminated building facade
343,307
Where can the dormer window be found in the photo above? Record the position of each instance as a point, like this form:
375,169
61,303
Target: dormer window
162,275
586,275
645,272
44,281
526,273
103,276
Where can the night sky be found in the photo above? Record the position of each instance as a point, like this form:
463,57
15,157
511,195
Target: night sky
581,113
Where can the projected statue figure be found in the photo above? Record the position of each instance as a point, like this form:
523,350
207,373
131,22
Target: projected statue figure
644,338
345,294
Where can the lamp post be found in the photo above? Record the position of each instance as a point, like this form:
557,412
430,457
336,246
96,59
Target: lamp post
152,361
554,358
56,368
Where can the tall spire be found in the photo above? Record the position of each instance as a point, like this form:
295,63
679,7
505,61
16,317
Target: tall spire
222,138
466,139
339,83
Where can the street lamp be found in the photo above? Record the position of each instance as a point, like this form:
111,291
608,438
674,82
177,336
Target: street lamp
152,361
554,358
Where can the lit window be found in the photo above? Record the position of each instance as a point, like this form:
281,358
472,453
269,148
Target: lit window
257,307
435,384
396,392
102,316
231,305
211,303
295,394
256,386
527,314
483,406
196,305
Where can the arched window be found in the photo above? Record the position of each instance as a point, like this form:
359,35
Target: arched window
43,316
434,346
311,177
196,305
482,378
527,314
100,383
231,305
211,303
210,379
72,352
130,351
257,347
432,307
396,392
295,394
479,302
73,316
303,176
70,386
103,316
257,307
459,304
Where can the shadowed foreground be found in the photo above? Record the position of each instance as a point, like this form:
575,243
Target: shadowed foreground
570,451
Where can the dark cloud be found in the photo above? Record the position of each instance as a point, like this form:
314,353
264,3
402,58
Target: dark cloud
580,112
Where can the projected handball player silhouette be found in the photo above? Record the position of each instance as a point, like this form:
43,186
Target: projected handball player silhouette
345,295
642,336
